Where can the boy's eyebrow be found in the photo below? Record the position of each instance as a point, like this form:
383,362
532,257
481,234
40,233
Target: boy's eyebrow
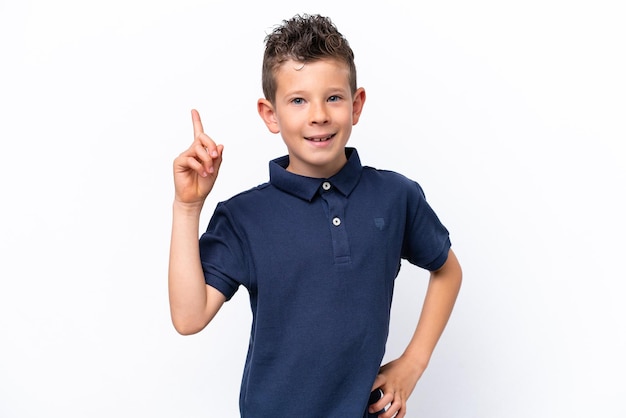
328,92
295,92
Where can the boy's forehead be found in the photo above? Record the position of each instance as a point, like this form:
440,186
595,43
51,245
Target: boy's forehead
297,77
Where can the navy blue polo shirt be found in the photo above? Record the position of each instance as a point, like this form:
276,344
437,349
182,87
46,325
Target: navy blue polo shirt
318,258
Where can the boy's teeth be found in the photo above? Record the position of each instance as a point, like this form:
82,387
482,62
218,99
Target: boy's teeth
321,139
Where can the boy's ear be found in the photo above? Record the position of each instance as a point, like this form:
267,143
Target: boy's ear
268,114
358,100
357,104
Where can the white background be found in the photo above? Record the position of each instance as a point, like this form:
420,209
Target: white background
510,114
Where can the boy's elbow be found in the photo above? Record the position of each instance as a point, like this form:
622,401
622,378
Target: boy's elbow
188,327
189,321
184,330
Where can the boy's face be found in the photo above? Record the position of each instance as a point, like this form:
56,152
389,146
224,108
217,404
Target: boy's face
314,111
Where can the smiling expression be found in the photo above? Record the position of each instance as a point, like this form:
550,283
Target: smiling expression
314,111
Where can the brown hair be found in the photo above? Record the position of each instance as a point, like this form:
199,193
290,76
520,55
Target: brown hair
304,38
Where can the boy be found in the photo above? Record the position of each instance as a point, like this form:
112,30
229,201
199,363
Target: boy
317,247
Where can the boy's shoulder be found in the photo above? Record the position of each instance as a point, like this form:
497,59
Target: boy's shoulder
389,178
385,174
250,194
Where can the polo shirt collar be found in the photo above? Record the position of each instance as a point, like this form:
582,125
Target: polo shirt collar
306,187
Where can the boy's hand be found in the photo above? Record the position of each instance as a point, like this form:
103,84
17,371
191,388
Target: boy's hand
195,170
397,379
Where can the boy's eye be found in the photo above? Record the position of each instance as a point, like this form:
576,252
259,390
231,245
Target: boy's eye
334,98
297,101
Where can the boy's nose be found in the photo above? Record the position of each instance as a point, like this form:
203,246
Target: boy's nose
318,114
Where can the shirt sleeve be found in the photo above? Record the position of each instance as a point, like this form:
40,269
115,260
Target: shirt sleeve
426,241
222,253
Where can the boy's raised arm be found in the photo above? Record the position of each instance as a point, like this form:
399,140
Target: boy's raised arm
193,304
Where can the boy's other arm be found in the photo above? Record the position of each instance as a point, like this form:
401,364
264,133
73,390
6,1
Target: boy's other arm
193,304
399,377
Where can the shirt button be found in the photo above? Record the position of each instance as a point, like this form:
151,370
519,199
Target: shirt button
326,185
336,221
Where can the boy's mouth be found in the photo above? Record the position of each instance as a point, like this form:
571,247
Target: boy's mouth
319,138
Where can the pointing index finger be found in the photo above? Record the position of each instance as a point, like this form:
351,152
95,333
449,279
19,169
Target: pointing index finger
197,123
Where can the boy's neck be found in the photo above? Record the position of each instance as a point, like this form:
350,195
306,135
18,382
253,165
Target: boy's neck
322,172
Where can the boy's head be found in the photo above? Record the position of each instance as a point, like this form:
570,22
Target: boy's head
304,38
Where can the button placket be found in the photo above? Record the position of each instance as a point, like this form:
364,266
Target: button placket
336,206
